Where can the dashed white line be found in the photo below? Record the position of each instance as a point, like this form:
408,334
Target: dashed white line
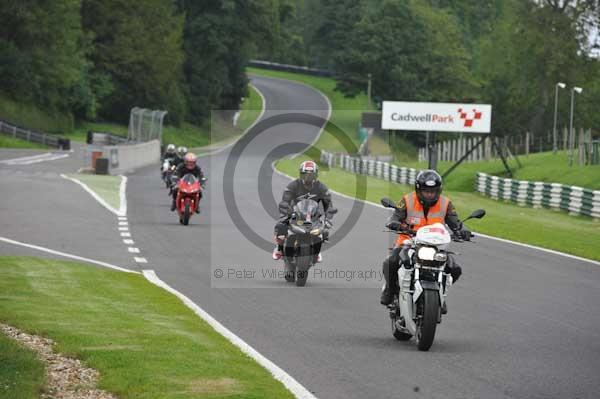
140,260
128,241
121,223
133,250
125,234
122,217
123,228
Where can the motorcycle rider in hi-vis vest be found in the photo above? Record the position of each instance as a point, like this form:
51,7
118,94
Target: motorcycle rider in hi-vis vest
425,206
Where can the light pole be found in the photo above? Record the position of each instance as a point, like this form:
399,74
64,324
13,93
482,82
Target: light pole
554,144
369,90
571,132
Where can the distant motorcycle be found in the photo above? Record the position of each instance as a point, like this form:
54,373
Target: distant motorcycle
417,309
308,229
167,170
188,196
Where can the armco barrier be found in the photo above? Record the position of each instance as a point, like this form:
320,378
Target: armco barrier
370,167
50,140
575,200
125,157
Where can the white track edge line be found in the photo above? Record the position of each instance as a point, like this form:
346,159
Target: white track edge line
279,374
93,194
66,255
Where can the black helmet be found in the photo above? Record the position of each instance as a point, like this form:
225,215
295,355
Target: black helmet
309,172
428,180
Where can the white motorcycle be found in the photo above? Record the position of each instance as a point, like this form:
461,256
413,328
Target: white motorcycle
417,309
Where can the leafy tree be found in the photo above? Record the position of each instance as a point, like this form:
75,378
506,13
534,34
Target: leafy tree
412,52
41,51
137,44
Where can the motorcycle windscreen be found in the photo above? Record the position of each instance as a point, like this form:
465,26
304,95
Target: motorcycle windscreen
189,179
308,210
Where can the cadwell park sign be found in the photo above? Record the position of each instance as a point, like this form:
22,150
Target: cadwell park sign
436,117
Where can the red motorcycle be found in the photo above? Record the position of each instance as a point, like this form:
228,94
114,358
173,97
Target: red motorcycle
189,188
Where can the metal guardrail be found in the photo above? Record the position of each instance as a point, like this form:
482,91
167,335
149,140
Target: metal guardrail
575,200
289,68
370,167
33,136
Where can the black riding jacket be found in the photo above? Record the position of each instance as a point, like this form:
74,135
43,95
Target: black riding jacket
296,188
182,171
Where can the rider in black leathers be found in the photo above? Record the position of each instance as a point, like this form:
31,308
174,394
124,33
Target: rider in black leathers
307,183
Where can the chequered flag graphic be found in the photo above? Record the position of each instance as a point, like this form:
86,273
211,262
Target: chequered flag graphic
469,117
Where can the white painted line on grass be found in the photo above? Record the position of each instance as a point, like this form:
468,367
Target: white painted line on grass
140,260
128,241
80,258
290,383
92,193
133,250
125,234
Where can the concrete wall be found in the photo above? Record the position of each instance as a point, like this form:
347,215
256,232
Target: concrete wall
127,157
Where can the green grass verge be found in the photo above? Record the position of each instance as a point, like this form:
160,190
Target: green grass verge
33,117
545,167
21,372
106,187
577,235
144,342
9,142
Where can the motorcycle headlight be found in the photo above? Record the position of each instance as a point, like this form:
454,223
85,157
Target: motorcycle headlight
300,222
440,257
315,232
426,253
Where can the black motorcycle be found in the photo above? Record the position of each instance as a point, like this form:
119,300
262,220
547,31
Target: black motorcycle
308,228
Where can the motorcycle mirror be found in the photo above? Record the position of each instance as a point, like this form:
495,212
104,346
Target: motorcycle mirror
388,203
478,214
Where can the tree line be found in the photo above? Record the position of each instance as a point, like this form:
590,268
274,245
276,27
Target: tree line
509,53
96,59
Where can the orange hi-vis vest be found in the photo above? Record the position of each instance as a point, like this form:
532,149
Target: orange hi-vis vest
415,217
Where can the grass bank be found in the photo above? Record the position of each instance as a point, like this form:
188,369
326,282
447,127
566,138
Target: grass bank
187,134
9,142
544,166
21,372
144,342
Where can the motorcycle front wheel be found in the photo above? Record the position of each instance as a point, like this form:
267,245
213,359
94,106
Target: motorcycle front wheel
186,214
428,323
